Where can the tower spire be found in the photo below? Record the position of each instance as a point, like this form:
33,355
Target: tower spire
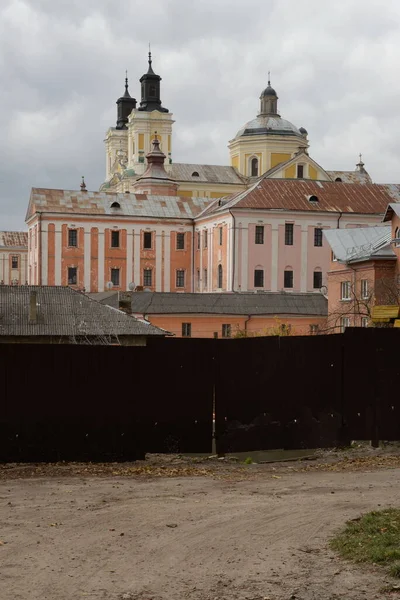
125,106
150,83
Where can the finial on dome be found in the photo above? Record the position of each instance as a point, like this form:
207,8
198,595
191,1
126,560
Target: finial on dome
150,61
83,184
269,78
360,165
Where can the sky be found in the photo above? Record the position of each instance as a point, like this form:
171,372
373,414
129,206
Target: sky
335,66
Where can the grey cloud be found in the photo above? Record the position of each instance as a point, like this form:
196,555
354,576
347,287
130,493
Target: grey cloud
62,67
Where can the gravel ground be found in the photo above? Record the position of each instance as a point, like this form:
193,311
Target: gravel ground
174,529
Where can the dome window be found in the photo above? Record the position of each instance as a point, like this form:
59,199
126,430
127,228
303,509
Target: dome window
313,199
254,167
195,174
115,205
338,179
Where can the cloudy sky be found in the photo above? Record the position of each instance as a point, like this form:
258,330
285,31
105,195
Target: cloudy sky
335,66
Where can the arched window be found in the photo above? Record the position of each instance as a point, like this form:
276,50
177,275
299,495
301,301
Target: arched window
220,276
397,237
338,179
254,167
195,174
116,204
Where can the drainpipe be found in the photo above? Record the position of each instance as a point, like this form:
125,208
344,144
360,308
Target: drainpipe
245,324
338,221
234,251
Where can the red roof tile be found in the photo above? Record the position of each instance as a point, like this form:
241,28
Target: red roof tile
14,239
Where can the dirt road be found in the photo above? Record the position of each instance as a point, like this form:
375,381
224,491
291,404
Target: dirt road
196,537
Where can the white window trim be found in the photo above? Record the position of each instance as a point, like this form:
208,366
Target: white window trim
364,295
342,297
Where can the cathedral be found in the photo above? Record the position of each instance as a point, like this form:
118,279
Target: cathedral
254,225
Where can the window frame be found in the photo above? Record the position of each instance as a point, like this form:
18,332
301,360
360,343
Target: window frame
180,278
319,273
221,236
115,241
254,166
180,240
114,270
205,239
259,234
186,330
14,257
76,275
302,171
288,287
345,286
314,329
198,240
147,273
226,330
72,230
289,234
344,326
318,236
364,322
145,234
220,277
257,274
205,279
364,289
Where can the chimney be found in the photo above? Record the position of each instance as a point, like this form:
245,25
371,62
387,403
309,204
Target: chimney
33,307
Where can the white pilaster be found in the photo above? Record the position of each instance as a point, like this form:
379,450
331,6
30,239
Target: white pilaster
45,253
86,257
100,275
274,257
57,257
245,258
304,254
210,259
129,257
158,260
167,261
136,256
199,233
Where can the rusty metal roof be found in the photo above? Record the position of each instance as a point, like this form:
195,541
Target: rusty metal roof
206,174
99,203
13,239
294,195
350,176
62,311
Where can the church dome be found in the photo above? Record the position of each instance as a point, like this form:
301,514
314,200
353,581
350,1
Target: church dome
268,125
269,91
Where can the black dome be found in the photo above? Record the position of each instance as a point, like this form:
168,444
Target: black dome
304,131
269,91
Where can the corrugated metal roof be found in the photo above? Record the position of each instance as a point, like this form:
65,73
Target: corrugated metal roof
14,239
294,194
350,176
360,243
207,174
62,311
99,203
266,303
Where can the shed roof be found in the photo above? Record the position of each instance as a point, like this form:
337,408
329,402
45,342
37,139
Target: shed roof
13,239
360,243
62,311
265,303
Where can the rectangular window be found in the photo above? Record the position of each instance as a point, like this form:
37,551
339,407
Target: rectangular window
72,275
186,330
198,240
115,239
205,238
115,277
72,238
300,171
318,236
259,234
147,277
288,234
288,279
364,289
205,280
364,321
147,240
14,262
180,278
345,290
317,280
344,322
314,329
180,241
220,236
198,279
333,257
259,278
226,331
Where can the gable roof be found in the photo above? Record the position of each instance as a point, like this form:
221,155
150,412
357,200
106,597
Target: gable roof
350,176
265,303
62,311
360,243
13,239
392,209
301,156
294,195
207,174
99,203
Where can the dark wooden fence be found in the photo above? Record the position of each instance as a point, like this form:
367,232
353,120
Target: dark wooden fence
116,403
